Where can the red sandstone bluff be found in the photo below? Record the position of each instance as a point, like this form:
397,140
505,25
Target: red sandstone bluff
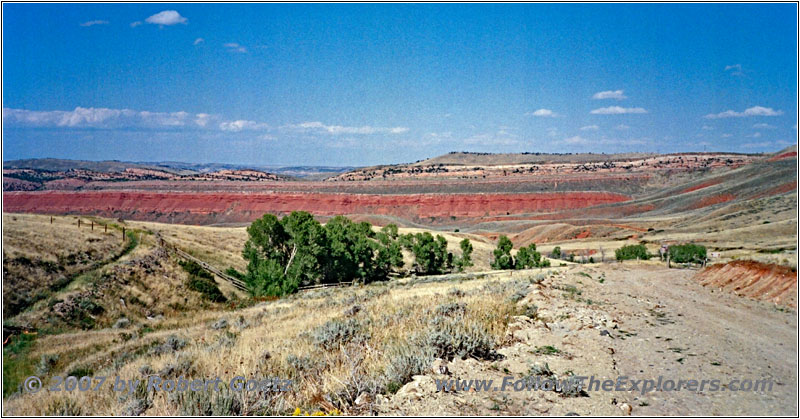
208,208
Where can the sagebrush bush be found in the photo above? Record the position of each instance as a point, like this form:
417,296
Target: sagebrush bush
336,332
64,407
172,344
217,402
183,365
46,363
451,309
220,324
404,362
452,338
304,366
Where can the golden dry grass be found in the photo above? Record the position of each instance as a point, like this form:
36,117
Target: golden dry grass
390,315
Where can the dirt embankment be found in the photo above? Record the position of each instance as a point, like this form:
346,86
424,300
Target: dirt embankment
762,281
206,208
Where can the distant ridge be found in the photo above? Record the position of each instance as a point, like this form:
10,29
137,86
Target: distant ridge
178,168
491,159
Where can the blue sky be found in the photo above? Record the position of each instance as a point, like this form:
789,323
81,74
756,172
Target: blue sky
330,84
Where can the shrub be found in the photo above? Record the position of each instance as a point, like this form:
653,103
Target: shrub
220,324
686,253
447,338
451,309
64,407
337,332
192,268
207,287
404,363
172,344
631,251
218,402
46,363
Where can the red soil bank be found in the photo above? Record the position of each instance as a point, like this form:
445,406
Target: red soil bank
205,208
786,187
701,186
713,200
774,283
783,156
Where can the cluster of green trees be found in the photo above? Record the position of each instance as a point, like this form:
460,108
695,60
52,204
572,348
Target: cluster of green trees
527,257
431,255
632,251
683,253
286,254
686,253
297,250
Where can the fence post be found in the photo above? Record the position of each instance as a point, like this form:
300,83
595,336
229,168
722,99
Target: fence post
79,223
123,234
106,226
51,219
92,225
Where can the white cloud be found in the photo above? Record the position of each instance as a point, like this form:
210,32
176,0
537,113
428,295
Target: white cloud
166,18
576,140
440,135
755,135
338,129
202,119
590,128
622,127
726,135
102,118
135,24
708,128
198,41
242,125
736,69
545,113
234,47
767,144
105,118
617,110
94,22
610,94
754,111
491,140
763,126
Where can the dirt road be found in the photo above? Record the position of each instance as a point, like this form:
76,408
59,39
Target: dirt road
639,321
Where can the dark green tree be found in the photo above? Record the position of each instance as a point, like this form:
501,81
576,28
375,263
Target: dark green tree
430,254
556,254
502,254
465,260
